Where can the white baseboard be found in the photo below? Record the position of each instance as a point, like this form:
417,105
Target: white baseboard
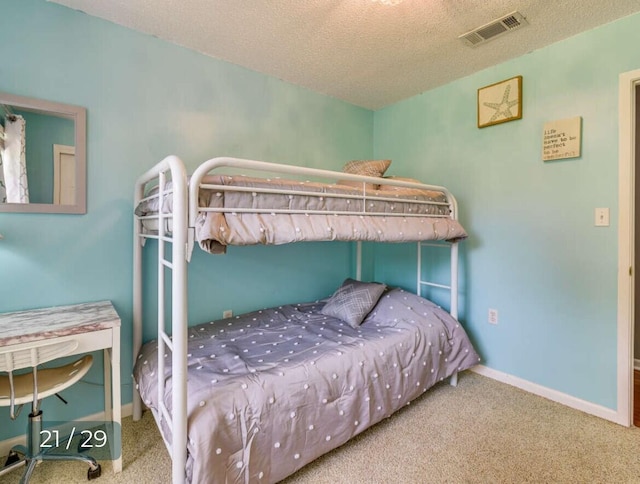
6,445
636,364
548,393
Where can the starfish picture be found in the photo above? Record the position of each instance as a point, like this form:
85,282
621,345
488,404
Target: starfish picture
503,108
500,102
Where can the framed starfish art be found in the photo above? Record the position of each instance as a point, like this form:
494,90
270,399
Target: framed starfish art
500,102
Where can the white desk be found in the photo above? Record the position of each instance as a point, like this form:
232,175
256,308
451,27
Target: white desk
95,326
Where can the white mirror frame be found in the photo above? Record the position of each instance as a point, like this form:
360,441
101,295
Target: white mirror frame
79,117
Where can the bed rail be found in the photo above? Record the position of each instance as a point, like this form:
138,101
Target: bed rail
205,168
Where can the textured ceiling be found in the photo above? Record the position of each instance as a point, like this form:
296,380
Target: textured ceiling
360,51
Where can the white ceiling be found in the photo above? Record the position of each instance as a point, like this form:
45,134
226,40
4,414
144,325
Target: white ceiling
360,51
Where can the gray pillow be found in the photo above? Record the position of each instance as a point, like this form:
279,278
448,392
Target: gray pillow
353,300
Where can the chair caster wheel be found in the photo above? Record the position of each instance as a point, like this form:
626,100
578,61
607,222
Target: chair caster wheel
94,473
12,458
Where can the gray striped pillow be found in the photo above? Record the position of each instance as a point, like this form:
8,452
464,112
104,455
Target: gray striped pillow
353,300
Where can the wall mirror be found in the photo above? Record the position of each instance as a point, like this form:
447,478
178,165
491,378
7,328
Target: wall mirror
42,156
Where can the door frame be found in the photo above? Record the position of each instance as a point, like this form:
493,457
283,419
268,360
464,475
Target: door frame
58,151
626,240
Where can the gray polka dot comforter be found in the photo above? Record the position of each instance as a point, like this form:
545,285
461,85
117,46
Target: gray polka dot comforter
271,390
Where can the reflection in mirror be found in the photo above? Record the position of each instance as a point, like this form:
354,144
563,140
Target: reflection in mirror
42,156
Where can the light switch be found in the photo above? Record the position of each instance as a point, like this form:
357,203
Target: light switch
602,217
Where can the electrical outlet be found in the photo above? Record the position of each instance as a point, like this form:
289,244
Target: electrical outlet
227,313
493,316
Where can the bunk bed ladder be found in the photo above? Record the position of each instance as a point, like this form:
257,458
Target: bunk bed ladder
176,343
452,287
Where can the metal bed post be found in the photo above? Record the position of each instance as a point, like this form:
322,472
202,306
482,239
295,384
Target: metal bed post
161,328
454,295
179,321
454,280
137,294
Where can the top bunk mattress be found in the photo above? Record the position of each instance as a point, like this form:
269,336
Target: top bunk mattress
241,210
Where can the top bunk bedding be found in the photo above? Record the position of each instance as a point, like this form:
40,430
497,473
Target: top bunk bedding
243,210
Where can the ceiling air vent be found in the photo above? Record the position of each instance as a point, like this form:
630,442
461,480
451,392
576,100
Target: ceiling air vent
493,29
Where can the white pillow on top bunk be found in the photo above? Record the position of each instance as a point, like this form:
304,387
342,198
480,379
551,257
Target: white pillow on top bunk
353,300
375,168
367,167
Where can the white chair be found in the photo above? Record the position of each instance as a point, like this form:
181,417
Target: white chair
33,386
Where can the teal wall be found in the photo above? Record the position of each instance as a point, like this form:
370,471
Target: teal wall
533,252
146,99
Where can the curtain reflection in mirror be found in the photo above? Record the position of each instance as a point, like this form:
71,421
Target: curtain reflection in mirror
14,187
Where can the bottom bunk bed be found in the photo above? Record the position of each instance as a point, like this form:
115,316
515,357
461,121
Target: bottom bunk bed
272,390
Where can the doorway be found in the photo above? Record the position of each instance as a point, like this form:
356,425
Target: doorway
64,175
628,112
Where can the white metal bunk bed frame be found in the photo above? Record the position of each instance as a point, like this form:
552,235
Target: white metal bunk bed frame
184,193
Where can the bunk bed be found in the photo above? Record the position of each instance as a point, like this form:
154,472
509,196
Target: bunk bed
256,397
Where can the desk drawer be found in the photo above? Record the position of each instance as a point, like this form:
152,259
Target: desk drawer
87,342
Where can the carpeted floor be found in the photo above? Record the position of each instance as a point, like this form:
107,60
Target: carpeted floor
482,431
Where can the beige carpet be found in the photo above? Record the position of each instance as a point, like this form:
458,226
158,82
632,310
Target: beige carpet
480,432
